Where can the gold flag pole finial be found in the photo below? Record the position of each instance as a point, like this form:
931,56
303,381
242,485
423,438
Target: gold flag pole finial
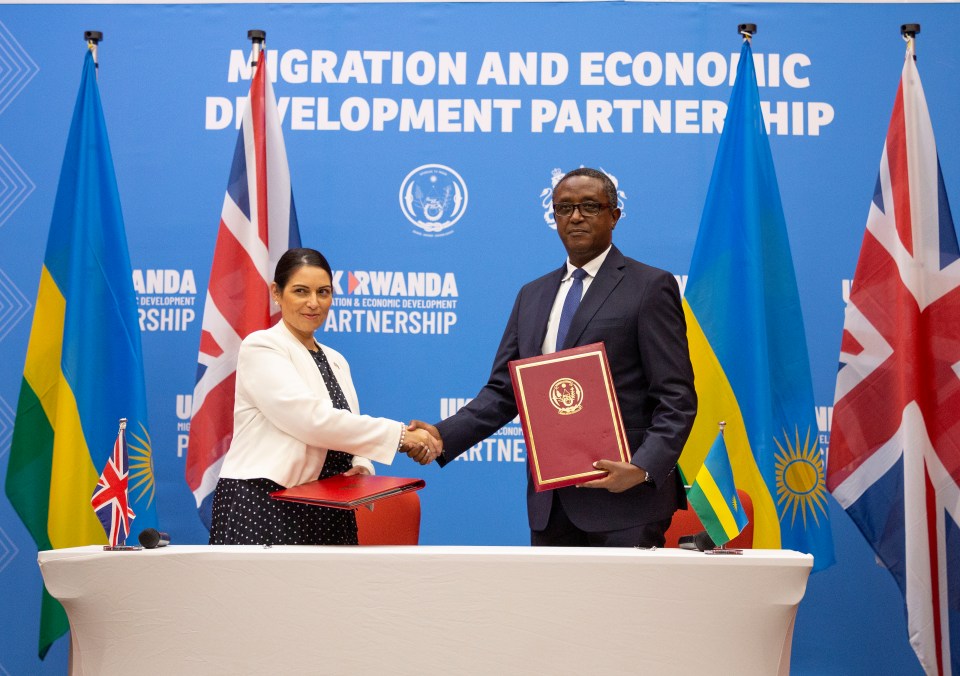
909,32
93,38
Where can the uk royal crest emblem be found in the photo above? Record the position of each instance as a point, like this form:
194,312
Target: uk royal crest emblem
546,196
433,197
566,395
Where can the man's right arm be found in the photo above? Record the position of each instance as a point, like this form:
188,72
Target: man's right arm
492,408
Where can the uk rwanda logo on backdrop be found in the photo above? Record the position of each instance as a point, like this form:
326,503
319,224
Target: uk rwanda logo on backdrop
433,197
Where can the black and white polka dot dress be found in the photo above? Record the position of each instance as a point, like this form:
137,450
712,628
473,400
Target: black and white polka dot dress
245,514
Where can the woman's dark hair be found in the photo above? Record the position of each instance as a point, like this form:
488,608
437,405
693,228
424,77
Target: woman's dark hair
294,259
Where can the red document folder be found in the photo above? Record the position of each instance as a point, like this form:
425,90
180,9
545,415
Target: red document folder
570,415
348,492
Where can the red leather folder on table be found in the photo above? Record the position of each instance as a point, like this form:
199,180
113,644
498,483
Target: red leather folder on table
570,415
348,492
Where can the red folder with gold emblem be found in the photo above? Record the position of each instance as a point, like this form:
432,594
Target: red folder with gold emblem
570,415
348,492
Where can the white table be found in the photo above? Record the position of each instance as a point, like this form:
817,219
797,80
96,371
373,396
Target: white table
426,610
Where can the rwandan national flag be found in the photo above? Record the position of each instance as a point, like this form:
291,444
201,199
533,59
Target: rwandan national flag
714,496
84,368
747,340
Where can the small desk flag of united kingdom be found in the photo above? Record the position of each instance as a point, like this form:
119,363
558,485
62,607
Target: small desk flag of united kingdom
109,499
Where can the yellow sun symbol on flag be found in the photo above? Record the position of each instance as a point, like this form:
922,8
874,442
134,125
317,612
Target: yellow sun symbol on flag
800,478
140,455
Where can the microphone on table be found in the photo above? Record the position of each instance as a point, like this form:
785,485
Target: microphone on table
151,538
700,542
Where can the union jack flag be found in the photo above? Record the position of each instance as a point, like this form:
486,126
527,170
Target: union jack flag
894,461
110,499
258,223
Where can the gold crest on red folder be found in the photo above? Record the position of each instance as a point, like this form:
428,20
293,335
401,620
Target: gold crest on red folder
566,395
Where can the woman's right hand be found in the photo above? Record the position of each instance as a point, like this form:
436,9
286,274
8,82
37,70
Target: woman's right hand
421,446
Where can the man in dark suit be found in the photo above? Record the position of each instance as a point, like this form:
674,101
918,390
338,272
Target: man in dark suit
635,310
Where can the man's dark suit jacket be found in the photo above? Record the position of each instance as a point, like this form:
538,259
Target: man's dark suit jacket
635,310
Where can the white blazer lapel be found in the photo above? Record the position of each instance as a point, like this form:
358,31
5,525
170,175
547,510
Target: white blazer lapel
300,356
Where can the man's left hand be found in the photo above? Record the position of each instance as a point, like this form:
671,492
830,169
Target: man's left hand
621,476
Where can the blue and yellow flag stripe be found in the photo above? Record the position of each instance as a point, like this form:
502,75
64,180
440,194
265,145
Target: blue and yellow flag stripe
84,366
50,469
714,496
716,402
747,338
721,518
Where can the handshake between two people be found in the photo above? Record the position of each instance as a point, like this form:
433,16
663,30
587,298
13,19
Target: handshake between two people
422,442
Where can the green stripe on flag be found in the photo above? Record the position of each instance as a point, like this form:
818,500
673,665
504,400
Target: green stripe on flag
28,470
28,489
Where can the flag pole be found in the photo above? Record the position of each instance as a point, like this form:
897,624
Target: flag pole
258,38
93,38
747,30
123,432
747,33
909,32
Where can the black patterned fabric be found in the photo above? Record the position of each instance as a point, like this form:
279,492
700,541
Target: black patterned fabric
337,462
245,514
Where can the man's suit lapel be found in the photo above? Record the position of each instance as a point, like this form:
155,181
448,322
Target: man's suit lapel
543,305
607,279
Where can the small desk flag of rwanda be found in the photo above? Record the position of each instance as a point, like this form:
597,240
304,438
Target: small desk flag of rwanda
110,500
714,496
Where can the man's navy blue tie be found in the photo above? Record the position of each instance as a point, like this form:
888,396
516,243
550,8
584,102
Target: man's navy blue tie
570,305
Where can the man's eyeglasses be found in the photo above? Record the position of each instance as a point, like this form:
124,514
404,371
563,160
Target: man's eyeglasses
565,209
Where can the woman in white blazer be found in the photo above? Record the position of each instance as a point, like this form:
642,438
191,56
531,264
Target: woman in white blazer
296,419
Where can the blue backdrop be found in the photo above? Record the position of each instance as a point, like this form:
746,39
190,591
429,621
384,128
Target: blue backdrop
501,97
